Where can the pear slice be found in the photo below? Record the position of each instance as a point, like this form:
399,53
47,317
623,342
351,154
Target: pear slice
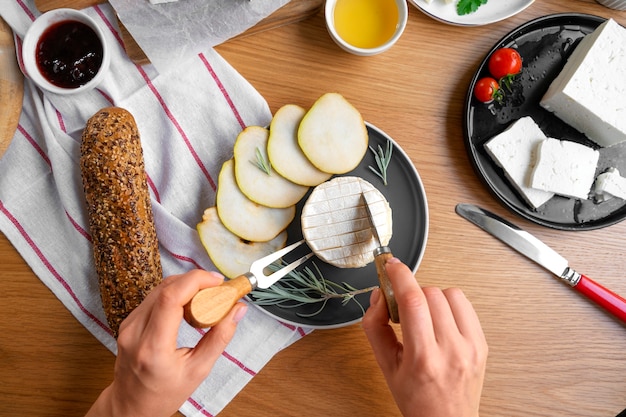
268,189
231,254
242,216
284,152
333,135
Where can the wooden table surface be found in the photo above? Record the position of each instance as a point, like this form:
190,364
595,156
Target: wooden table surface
552,353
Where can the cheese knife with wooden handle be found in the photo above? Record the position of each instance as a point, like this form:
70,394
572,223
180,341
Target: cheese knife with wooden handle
210,305
381,255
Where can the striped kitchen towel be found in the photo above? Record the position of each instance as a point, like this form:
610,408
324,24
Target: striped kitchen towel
189,118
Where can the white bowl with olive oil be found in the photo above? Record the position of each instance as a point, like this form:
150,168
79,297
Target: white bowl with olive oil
366,27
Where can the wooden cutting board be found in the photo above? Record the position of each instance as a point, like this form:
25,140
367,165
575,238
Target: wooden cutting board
11,87
293,11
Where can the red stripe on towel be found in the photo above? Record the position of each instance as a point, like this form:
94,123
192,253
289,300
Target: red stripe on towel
198,407
106,96
51,268
238,363
35,145
185,259
43,155
106,21
223,90
61,122
28,12
178,127
154,189
20,58
78,227
231,358
164,106
300,330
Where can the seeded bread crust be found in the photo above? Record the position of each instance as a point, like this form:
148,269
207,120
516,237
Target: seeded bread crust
125,245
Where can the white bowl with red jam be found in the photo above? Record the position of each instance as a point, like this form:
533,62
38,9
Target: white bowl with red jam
65,52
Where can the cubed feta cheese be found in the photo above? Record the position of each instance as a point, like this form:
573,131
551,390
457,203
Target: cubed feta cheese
589,93
514,151
610,184
565,168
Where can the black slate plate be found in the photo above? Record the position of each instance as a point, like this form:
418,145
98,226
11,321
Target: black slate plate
544,44
407,198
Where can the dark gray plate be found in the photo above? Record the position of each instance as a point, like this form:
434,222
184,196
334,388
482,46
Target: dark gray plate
407,198
544,44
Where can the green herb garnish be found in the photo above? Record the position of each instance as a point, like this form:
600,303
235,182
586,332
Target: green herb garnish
464,7
382,157
304,287
262,163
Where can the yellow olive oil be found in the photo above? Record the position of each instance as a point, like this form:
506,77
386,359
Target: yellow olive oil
366,23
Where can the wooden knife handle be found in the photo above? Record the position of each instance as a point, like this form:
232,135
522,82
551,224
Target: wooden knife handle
210,305
381,256
604,297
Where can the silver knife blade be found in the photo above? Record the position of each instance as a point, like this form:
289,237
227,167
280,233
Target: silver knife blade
518,239
370,218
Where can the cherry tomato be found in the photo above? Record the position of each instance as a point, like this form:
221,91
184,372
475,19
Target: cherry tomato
505,62
487,89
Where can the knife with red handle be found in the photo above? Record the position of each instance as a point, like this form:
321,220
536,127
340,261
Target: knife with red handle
533,248
604,297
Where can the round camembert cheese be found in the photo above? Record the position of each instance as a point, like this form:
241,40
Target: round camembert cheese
335,222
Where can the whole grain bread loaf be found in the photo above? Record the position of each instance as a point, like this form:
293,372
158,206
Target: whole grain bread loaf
125,245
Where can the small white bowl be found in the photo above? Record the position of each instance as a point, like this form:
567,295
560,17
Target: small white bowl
39,28
329,13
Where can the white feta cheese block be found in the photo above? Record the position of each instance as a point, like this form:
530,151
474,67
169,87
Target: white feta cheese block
514,151
335,222
610,184
589,93
565,168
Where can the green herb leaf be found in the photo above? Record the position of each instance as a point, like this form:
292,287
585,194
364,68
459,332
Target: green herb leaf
305,287
464,7
262,163
382,158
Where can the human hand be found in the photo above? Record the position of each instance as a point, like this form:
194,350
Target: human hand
153,377
437,370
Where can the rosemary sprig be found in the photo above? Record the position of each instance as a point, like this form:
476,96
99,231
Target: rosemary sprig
262,163
383,158
305,287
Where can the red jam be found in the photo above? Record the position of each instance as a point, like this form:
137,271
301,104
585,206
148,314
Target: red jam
69,54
